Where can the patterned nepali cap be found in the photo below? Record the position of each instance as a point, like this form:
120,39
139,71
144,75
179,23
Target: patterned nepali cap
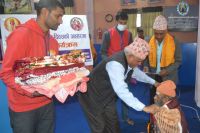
139,47
160,23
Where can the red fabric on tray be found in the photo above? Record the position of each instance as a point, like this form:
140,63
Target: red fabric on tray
60,87
57,75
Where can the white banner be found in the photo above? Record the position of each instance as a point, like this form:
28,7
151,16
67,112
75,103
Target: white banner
72,34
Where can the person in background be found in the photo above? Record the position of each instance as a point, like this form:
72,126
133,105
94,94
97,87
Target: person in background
140,34
170,117
108,80
31,112
165,54
115,40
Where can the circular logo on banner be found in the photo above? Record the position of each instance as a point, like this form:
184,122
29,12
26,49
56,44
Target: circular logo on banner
11,23
76,24
182,8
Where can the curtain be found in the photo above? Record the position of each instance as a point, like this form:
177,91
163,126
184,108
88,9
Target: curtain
147,22
147,19
131,24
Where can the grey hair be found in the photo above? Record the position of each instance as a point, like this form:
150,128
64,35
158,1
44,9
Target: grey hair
127,51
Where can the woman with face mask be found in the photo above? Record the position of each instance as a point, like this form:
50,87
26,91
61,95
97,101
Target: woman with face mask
114,40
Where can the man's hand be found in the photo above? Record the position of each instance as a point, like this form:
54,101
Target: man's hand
156,84
151,109
163,72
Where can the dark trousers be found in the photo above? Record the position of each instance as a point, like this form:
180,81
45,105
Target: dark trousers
40,120
101,120
125,109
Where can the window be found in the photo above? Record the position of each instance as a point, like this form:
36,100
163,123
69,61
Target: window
138,20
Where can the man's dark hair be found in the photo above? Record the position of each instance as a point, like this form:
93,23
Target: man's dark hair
49,4
121,15
140,29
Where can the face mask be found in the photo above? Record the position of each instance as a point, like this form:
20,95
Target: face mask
121,27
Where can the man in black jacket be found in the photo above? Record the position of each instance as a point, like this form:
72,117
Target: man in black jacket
108,80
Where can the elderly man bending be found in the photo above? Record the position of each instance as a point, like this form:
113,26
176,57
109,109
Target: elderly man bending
108,80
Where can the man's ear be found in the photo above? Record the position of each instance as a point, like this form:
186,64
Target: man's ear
44,12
